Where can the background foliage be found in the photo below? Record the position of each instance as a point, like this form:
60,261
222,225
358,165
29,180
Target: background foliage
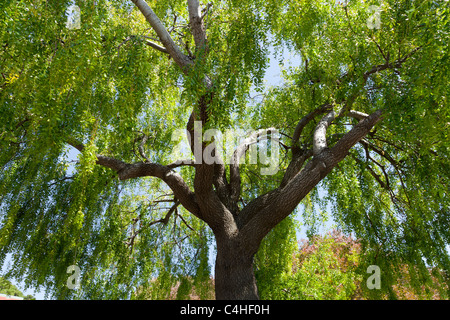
6,287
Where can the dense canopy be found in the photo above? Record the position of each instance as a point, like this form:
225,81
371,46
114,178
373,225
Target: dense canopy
87,116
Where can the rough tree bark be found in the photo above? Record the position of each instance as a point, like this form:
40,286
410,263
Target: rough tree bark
234,275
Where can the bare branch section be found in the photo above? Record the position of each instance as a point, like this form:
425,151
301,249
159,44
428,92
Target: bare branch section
127,171
196,24
156,46
235,177
302,124
357,114
319,137
170,46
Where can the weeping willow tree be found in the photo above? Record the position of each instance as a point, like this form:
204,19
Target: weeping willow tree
90,100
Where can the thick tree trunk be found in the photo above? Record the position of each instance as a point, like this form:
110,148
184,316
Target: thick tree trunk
234,276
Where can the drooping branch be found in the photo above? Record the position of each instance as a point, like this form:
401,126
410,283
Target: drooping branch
127,171
371,171
164,221
166,218
395,164
381,153
386,184
386,177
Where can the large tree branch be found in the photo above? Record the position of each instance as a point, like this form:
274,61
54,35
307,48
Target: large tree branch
267,211
222,188
183,61
357,114
212,203
295,166
319,136
215,213
299,157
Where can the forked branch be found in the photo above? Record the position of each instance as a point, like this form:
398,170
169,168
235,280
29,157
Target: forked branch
235,177
273,207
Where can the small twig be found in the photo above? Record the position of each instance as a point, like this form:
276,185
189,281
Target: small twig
206,10
165,200
60,180
122,43
184,221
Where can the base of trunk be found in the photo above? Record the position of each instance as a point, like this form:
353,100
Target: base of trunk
234,275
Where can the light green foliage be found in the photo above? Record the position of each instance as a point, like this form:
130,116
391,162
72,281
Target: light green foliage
404,214
332,267
102,86
320,268
6,287
324,270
